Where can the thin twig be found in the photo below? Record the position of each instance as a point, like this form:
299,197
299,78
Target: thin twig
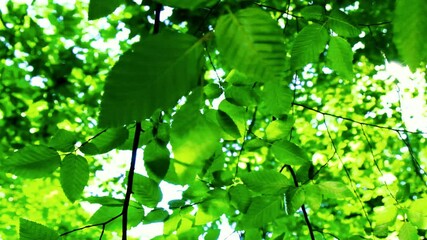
130,180
92,225
359,122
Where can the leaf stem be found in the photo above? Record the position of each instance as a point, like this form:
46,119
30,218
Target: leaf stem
130,180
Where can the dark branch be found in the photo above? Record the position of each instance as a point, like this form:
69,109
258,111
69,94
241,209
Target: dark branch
130,180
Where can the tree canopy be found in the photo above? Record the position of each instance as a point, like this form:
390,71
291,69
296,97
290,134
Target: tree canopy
274,119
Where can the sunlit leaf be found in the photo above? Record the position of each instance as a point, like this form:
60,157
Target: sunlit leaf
156,215
74,176
277,98
336,190
308,45
241,197
250,41
112,215
29,230
32,162
106,141
146,191
278,129
262,211
100,8
340,57
409,31
267,182
63,140
417,213
408,232
313,196
158,71
228,124
295,198
289,153
341,23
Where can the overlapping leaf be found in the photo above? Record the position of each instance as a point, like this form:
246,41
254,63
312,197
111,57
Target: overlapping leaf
74,176
106,141
155,74
101,8
146,191
409,31
289,153
340,57
250,41
313,12
277,98
187,4
29,230
63,141
33,162
106,213
267,182
262,211
308,45
341,24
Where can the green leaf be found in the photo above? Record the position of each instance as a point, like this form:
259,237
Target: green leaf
289,153
194,139
262,211
278,129
32,162
276,98
408,232
106,213
417,213
313,196
106,141
74,176
340,57
237,114
29,230
295,198
409,31
105,201
308,45
158,71
240,196
250,41
335,190
146,191
156,215
241,95
228,125
341,24
187,4
211,208
101,8
63,141
156,160
212,234
313,12
267,182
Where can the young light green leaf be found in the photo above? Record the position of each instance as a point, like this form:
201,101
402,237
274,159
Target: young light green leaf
341,23
63,141
32,162
313,12
340,57
106,141
156,160
187,4
289,153
267,182
385,215
158,71
417,213
277,98
409,31
250,41
335,190
146,191
313,196
262,211
194,138
74,176
278,129
101,8
156,215
408,232
105,201
29,230
308,45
